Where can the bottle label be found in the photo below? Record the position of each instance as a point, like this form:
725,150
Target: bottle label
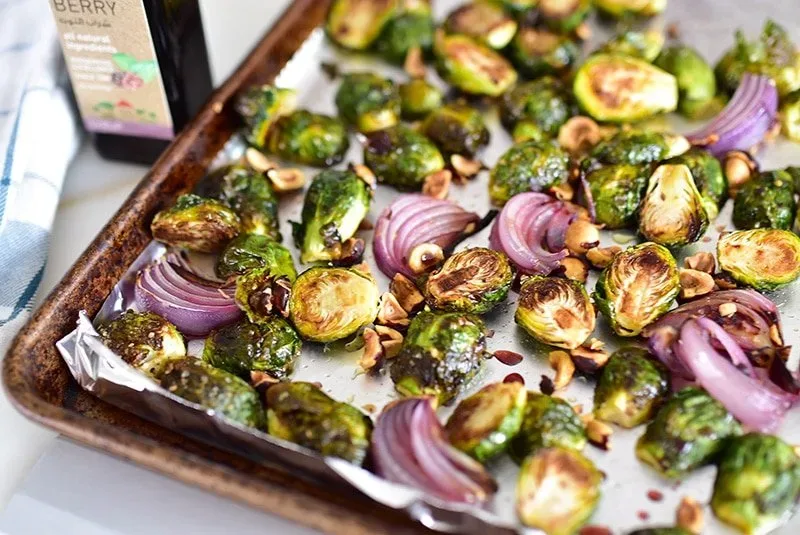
113,66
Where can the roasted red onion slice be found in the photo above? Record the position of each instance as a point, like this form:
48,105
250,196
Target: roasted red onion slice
409,447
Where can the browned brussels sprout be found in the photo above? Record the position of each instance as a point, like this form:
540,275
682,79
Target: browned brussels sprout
543,102
309,139
413,28
475,281
528,166
697,86
368,101
621,9
766,201
643,45
254,251
548,422
471,66
260,107
197,224
418,98
401,157
564,16
456,128
484,21
708,176
617,191
356,24
537,52
762,258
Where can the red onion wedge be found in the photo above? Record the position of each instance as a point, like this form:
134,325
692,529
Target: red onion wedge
746,119
409,447
196,307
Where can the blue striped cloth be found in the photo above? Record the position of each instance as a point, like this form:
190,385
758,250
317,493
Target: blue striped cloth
38,138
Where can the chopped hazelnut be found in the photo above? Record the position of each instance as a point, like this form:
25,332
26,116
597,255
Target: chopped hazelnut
406,292
286,179
578,135
689,515
424,256
695,283
727,309
390,312
373,351
600,257
258,161
581,236
561,362
599,434
414,64
465,167
365,173
704,262
437,184
563,192
575,269
589,360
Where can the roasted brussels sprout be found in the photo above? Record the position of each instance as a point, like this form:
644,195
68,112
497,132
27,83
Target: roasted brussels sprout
687,432
304,414
261,295
518,8
471,66
474,280
790,116
528,131
456,128
401,157
636,147
528,166
368,101
408,30
555,311
249,193
617,191
645,45
697,85
708,177
627,8
482,424
766,201
622,89
270,346
762,258
144,340
197,224
484,21
418,98
334,206
548,422
309,139
254,251
215,389
543,102
537,52
356,24
557,490
259,107
441,352
660,531
564,16
758,483
672,212
637,287
631,388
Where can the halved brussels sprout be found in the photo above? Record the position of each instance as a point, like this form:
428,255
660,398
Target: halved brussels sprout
627,8
418,98
483,21
537,52
555,311
215,389
368,101
254,251
548,422
758,483
672,211
645,45
543,102
260,106
631,388
309,139
557,490
304,414
687,432
564,16
482,424
197,224
144,340
334,206
617,191
636,147
660,531
471,66
329,304
528,166
261,295
790,116
441,352
401,157
762,258
697,85
766,201
408,30
474,280
356,24
637,287
708,177
528,131
270,346
457,128
623,89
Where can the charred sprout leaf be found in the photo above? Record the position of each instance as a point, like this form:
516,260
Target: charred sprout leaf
474,280
528,166
762,258
401,157
441,353
766,201
537,52
622,89
637,287
617,191
472,67
672,211
456,128
418,98
483,424
259,107
253,251
564,16
555,311
543,102
410,29
197,224
144,340
334,206
708,177
356,24
697,85
687,432
557,490
304,414
636,147
621,9
329,304
645,45
309,139
368,101
757,484
215,389
548,422
270,346
631,388
484,21
790,116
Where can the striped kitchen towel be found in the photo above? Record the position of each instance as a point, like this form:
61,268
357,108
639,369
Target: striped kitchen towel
38,138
